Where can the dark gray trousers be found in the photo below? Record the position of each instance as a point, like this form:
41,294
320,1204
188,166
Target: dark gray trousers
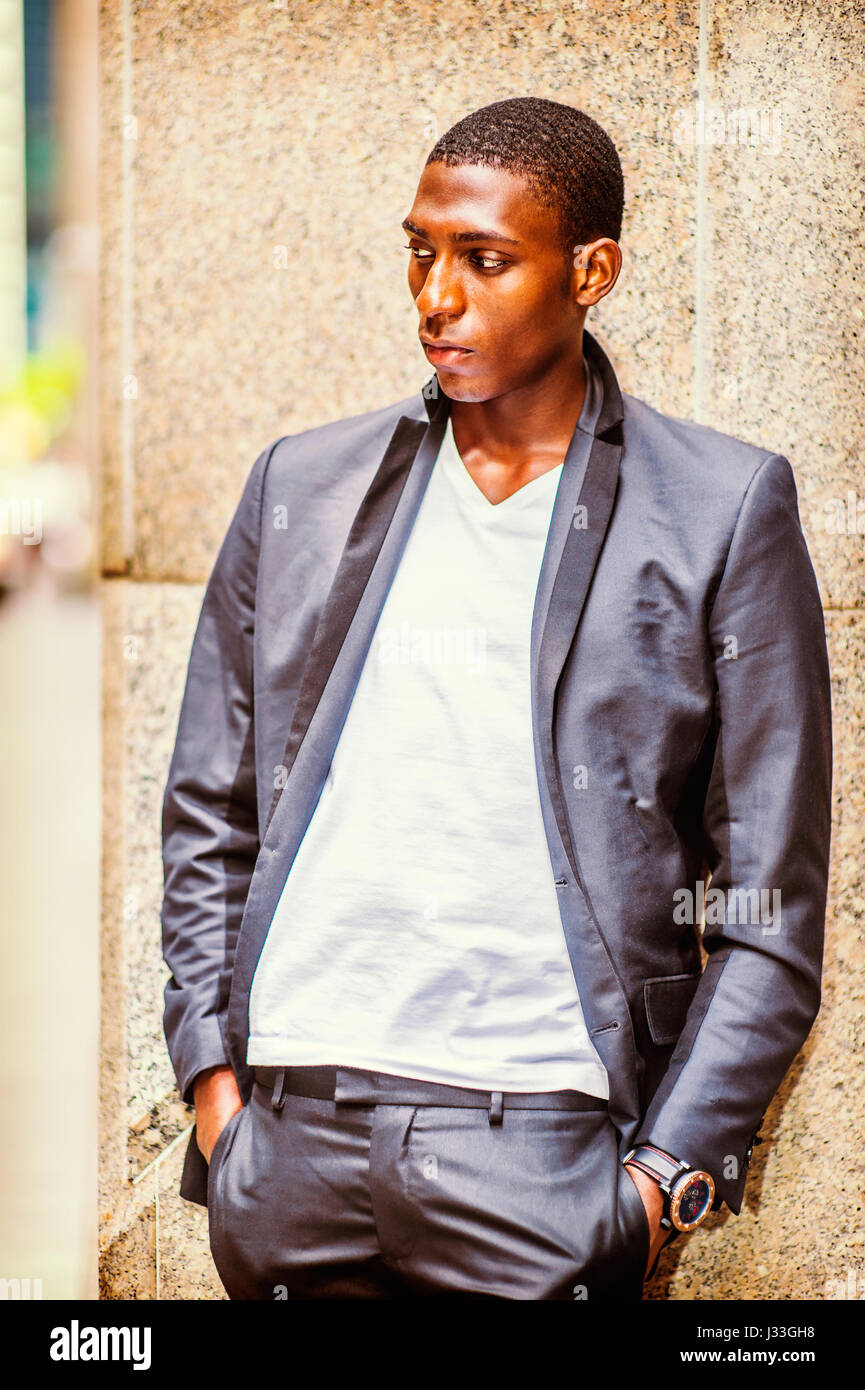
327,1199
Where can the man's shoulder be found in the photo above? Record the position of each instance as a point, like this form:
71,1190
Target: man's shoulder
351,442
699,452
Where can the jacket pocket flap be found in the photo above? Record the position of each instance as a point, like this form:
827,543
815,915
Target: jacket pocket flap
667,999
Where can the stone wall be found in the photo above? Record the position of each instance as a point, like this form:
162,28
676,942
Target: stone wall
256,161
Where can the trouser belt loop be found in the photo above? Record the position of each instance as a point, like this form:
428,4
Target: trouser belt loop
277,1100
496,1107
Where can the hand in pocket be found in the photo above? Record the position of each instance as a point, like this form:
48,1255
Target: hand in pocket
216,1100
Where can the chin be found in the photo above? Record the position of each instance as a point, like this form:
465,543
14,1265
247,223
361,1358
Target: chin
470,392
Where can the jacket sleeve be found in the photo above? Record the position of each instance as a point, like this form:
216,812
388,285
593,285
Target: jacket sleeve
209,815
766,821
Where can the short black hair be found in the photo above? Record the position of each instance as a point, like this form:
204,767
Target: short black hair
568,160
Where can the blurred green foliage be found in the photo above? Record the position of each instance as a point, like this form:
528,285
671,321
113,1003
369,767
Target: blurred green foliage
36,403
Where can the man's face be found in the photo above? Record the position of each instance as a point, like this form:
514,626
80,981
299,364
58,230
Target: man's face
488,272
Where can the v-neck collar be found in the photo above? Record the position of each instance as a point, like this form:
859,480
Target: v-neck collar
465,484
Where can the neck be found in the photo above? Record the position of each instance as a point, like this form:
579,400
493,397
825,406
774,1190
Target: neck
528,429
507,442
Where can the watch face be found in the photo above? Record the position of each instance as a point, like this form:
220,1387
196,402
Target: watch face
691,1201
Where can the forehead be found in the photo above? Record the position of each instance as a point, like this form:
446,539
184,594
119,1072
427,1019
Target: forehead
460,197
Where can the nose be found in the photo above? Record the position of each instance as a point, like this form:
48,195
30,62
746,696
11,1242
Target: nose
441,292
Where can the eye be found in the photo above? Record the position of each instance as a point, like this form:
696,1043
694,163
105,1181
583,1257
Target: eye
491,263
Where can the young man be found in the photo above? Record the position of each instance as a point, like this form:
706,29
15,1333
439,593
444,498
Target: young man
545,659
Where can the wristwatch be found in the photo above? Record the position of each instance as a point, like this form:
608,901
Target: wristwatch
688,1192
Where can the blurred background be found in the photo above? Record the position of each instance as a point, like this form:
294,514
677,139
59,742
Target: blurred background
50,758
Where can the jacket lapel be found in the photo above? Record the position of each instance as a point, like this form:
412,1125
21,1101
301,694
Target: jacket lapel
359,555
586,520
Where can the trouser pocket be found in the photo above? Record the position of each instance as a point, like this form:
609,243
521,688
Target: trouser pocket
218,1156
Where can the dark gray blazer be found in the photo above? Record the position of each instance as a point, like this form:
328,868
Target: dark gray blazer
681,717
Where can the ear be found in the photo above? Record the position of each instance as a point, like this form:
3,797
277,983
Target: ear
596,270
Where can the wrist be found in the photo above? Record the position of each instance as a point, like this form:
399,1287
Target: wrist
650,1192
686,1193
213,1083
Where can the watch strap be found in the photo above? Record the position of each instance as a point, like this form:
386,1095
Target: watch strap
656,1163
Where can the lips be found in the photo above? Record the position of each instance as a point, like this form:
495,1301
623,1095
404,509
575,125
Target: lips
443,353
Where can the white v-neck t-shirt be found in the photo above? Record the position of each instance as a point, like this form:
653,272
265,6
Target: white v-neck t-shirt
418,931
